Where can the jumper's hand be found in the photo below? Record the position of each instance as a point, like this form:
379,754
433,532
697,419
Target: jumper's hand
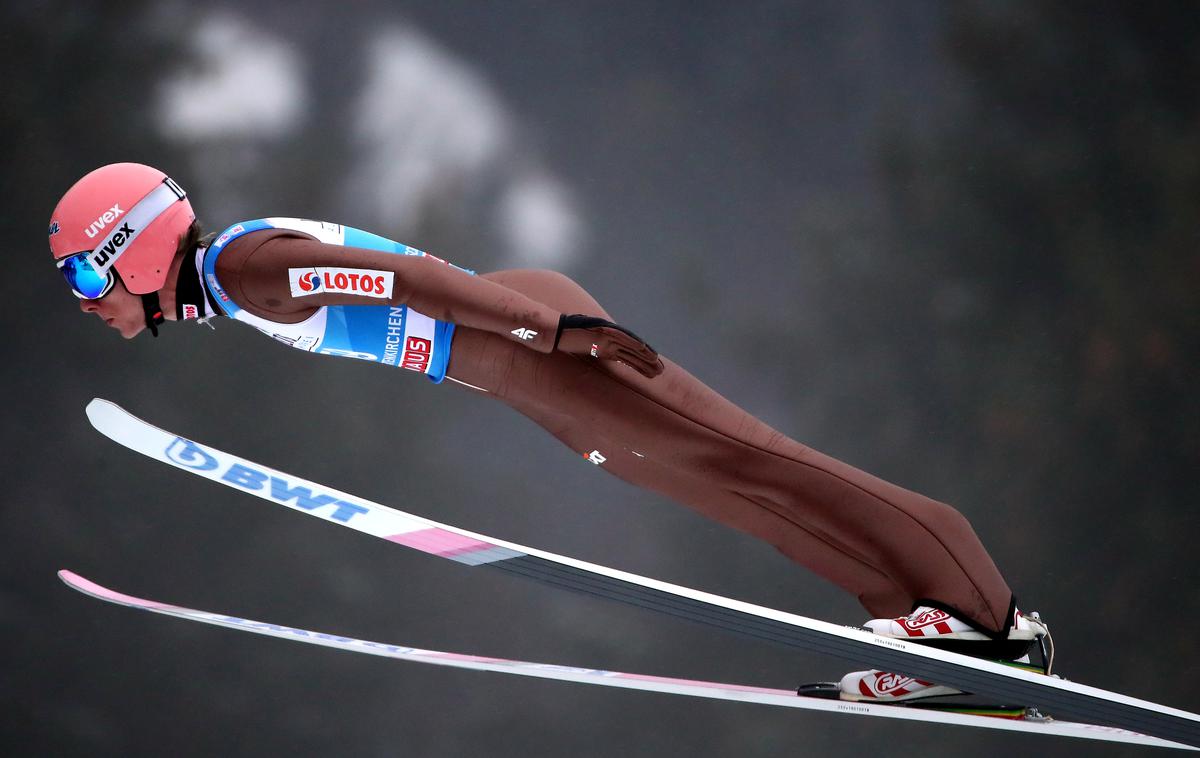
599,338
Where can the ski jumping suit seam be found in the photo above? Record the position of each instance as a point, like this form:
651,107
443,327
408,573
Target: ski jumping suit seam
841,479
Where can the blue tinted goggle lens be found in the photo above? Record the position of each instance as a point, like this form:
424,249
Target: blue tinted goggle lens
84,281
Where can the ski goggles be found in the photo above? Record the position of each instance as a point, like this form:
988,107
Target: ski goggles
86,282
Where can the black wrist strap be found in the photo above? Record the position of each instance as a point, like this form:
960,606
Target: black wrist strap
580,321
558,334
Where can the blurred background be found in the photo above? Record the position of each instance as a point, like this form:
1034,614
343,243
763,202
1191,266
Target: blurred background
954,244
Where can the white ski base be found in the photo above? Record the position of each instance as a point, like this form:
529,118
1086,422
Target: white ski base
694,688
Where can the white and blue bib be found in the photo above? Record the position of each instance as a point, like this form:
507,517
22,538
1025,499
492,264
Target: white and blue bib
392,335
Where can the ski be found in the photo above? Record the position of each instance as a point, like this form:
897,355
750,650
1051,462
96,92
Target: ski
600,677
1059,697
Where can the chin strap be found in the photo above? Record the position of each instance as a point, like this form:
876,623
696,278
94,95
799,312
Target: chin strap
153,311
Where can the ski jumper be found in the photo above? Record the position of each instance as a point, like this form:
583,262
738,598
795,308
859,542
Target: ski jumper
891,548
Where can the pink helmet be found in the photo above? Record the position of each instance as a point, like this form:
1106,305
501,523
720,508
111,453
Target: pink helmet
130,217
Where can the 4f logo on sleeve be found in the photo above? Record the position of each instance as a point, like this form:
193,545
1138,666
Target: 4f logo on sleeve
348,281
524,334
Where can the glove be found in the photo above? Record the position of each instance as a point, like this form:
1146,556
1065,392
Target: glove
599,338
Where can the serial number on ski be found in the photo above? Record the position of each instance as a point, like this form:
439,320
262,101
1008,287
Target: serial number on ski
853,708
886,642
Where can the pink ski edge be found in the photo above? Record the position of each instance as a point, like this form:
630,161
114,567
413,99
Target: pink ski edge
88,587
439,542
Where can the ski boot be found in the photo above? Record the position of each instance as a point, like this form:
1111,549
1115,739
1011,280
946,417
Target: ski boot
937,628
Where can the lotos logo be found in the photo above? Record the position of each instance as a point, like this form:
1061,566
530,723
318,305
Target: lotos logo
271,485
53,228
349,281
104,220
101,257
310,282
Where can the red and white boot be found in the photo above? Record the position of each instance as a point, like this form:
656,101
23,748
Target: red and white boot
938,628
885,687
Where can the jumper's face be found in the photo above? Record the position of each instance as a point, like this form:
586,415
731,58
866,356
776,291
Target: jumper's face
119,309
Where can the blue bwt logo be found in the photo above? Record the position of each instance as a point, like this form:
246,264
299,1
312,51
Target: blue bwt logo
273,486
190,455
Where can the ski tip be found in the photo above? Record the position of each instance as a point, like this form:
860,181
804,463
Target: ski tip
98,407
88,587
106,416
80,584
77,582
